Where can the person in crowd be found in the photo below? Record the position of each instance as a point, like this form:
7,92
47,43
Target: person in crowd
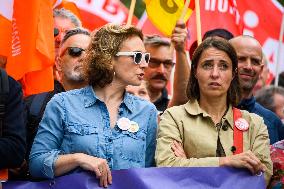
200,132
64,20
217,32
161,65
265,78
12,123
70,69
70,61
272,98
100,127
250,66
140,90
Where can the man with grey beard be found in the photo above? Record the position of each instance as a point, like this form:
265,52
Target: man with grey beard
250,66
71,54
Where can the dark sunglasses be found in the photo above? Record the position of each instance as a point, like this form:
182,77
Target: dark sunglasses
73,51
137,56
56,31
155,63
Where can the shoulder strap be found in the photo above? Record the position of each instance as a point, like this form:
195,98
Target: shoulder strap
238,131
37,103
4,91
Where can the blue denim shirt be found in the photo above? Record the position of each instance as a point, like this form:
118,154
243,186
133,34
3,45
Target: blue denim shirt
274,125
78,121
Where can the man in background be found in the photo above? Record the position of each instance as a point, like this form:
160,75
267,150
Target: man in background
160,67
250,66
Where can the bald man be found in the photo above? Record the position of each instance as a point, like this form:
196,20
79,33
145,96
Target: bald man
250,66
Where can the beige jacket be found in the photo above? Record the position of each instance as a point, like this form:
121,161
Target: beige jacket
194,128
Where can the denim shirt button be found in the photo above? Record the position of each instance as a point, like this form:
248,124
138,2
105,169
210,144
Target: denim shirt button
109,140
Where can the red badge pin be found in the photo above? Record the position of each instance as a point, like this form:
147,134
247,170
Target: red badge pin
242,124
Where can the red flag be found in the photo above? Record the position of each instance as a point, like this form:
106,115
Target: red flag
258,18
96,13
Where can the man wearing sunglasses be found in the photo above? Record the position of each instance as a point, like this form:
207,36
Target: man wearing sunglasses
71,54
161,65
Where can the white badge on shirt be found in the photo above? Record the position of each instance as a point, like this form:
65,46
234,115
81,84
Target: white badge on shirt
123,123
126,125
134,127
242,124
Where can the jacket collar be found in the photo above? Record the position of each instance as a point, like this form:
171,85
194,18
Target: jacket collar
193,108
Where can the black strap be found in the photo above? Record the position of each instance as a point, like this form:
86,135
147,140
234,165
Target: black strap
38,103
4,91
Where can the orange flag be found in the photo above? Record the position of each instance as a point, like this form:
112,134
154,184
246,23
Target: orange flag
71,6
31,55
6,28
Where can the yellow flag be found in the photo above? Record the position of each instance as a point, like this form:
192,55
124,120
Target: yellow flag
165,13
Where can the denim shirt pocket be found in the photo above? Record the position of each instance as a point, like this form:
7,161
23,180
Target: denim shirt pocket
132,146
83,138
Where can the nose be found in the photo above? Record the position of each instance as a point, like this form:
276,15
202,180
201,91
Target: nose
161,68
248,64
59,37
215,72
143,64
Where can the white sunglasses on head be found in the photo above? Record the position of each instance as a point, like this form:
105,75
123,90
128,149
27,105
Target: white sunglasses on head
137,56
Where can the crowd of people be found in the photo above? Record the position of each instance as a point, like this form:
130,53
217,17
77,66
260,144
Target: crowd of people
110,107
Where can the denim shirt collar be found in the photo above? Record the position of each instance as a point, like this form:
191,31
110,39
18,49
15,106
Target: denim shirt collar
247,104
90,98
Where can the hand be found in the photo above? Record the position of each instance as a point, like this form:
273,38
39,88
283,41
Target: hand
97,165
178,149
179,35
244,160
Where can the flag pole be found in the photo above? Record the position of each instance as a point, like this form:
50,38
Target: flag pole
131,12
198,22
184,10
279,51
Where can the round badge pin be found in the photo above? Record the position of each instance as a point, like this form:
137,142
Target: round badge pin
124,123
242,124
134,127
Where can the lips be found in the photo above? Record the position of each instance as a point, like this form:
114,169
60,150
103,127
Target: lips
246,76
140,76
78,67
215,84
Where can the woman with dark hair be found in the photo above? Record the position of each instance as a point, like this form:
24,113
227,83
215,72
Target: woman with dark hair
206,130
100,127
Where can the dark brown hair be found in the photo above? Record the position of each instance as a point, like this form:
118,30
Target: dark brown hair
234,93
105,43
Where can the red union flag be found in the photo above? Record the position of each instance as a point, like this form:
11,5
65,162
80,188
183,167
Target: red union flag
96,13
258,18
262,19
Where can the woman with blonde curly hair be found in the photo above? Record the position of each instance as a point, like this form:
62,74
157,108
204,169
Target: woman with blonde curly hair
100,127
